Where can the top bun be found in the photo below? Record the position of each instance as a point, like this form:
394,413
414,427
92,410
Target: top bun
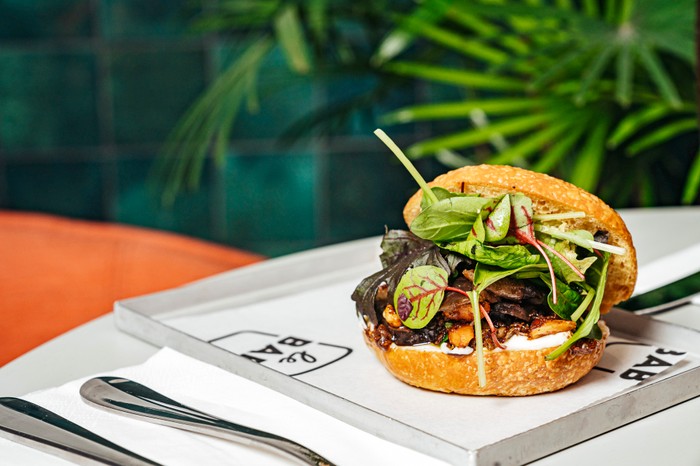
549,195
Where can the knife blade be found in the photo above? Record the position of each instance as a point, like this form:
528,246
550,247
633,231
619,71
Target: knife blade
30,424
666,297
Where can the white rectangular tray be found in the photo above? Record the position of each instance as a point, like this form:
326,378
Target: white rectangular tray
289,324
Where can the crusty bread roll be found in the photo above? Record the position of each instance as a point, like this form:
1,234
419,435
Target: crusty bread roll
508,373
518,372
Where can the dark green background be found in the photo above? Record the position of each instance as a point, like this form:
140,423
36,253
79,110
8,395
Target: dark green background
89,89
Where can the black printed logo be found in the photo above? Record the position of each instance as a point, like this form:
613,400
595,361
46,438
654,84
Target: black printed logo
288,354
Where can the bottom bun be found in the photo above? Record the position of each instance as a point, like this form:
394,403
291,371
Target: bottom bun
508,373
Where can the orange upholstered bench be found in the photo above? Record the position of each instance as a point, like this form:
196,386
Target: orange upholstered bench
57,273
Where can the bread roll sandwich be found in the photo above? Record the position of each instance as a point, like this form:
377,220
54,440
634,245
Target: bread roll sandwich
498,285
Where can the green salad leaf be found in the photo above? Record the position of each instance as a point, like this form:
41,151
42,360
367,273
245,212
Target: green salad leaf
401,251
568,299
497,223
439,193
589,327
419,295
580,238
485,275
563,270
450,218
505,256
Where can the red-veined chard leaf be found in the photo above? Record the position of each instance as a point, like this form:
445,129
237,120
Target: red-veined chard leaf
401,250
505,256
564,270
419,295
497,222
524,230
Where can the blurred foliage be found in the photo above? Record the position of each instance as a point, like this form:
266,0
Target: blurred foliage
318,39
599,92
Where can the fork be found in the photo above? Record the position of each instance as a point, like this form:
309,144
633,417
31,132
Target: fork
138,401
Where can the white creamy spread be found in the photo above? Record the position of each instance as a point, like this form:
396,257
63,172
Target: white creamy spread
514,343
443,348
521,342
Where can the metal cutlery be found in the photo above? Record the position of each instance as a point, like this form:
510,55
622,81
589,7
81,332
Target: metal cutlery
29,424
138,401
665,298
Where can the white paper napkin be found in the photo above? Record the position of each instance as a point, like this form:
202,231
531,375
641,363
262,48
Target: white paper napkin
220,393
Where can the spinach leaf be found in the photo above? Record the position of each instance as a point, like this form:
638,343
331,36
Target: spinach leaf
485,276
568,299
440,194
449,219
589,327
507,256
419,294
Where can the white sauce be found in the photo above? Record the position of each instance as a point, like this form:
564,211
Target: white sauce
443,348
514,343
521,342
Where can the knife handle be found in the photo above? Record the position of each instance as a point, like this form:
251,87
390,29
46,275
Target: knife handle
29,424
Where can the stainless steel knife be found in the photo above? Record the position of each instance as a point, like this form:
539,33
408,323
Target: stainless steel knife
32,425
665,298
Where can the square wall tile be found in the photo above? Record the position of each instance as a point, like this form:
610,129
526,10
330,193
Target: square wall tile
354,91
138,200
151,89
270,199
146,18
44,19
69,188
48,100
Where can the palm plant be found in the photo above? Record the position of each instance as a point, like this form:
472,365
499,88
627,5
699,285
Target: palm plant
586,89
303,31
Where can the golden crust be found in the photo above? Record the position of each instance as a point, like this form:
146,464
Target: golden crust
508,373
549,195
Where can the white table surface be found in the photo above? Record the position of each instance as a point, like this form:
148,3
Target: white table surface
668,437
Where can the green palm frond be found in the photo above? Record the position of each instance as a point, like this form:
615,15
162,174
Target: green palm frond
507,127
310,35
401,37
576,87
209,121
662,135
290,35
463,109
590,84
692,186
455,76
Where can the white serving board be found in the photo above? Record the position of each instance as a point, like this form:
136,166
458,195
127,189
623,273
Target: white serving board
289,324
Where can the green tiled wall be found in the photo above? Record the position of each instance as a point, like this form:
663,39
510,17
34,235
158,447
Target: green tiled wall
89,89
48,99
